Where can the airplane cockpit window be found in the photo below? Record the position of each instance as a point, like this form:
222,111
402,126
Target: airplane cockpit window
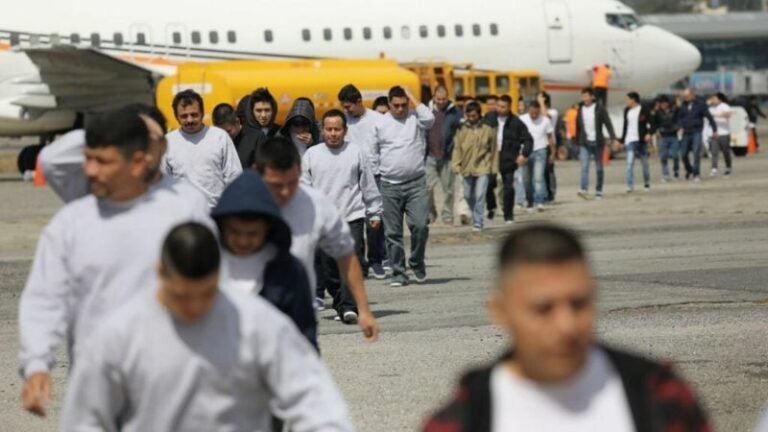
459,30
269,36
74,38
327,34
405,32
196,38
117,38
306,35
231,37
347,33
441,30
367,33
423,31
627,22
213,37
387,32
494,29
176,36
95,40
476,29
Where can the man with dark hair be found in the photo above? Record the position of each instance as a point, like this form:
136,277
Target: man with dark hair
381,105
590,121
550,112
636,138
203,155
665,124
516,146
490,104
545,301
722,113
361,132
439,151
543,134
257,112
315,223
691,116
191,357
224,117
399,154
341,171
99,250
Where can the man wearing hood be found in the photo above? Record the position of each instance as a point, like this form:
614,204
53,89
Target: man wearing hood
439,151
301,125
256,252
257,113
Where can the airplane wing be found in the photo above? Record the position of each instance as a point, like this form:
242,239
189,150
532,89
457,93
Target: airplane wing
84,80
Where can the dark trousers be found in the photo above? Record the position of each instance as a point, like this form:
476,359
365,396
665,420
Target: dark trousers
508,206
331,280
490,194
601,95
377,250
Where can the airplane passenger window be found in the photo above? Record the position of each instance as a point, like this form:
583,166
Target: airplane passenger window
196,38
423,31
176,36
117,38
74,38
141,39
231,37
441,30
405,32
627,22
269,36
482,85
459,30
95,40
367,33
387,32
348,33
494,29
15,39
502,84
327,34
306,35
213,36
476,29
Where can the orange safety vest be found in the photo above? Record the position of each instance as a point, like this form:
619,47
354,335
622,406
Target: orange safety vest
570,122
601,76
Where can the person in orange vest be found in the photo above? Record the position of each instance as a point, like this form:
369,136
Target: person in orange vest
601,77
570,131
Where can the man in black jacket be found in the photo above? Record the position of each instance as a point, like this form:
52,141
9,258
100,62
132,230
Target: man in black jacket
257,113
665,124
636,138
591,119
516,145
691,115
557,378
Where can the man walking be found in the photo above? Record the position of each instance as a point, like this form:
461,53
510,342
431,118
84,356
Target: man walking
204,156
636,137
399,152
439,148
542,132
516,146
722,113
591,120
665,124
691,115
224,117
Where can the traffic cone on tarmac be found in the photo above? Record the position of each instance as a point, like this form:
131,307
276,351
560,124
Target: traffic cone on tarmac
751,142
39,178
606,154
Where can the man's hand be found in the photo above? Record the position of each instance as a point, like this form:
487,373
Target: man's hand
369,326
375,224
412,98
521,160
305,138
648,138
37,393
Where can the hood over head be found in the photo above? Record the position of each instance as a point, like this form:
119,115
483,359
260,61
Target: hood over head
302,108
245,111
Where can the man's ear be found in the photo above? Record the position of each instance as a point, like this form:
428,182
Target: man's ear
496,310
139,162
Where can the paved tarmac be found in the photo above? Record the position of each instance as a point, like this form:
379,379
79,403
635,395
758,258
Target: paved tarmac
682,272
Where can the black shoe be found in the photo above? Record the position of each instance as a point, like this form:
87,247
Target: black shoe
491,215
688,175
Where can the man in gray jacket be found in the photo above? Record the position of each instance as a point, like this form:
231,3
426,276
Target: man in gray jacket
399,152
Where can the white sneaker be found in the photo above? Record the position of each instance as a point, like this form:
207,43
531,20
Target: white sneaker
509,222
713,173
583,194
477,229
539,207
349,317
319,304
697,179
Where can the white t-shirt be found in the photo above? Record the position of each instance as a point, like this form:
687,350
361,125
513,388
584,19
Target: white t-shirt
540,129
554,116
723,124
633,124
594,400
588,119
500,131
246,274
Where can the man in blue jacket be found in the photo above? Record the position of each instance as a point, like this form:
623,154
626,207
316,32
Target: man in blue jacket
691,117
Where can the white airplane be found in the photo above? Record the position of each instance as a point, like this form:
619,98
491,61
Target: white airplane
62,59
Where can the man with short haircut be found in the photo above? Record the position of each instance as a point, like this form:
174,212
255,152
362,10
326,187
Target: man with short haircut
99,250
399,154
516,146
691,116
590,121
191,357
665,124
315,223
225,117
341,171
542,132
476,159
491,103
439,149
361,131
556,377
381,105
203,155
721,143
636,138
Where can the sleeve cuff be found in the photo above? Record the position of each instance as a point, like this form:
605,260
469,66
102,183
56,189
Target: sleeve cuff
35,366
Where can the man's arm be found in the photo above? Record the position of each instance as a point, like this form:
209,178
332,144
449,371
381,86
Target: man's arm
62,165
424,115
608,123
306,171
374,204
457,154
232,167
711,120
526,139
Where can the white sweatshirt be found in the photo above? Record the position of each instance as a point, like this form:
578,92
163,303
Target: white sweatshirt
361,131
315,222
146,371
400,149
62,165
91,258
345,176
208,159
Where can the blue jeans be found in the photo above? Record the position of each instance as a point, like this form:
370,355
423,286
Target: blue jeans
669,147
591,150
535,184
636,150
520,175
474,193
691,142
407,200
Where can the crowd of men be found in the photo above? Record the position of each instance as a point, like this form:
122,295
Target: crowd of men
185,272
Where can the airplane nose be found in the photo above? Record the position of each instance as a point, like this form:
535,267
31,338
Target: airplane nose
683,57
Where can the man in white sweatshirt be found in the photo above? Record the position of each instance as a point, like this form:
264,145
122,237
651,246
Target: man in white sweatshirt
99,249
342,172
399,153
186,356
201,154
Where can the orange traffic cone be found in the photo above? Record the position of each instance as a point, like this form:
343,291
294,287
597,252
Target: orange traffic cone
39,178
752,142
606,154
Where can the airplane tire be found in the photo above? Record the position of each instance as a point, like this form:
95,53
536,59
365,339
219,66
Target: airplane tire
27,158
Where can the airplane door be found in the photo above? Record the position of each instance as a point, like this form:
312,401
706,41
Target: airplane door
558,31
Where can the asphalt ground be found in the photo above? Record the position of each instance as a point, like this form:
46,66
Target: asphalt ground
682,272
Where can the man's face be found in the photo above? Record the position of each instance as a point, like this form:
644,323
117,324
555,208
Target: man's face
112,176
689,96
190,117
263,113
157,147
586,98
244,237
491,103
473,117
398,106
549,312
354,109
334,132
282,184
534,112
664,105
233,129
188,300
441,100
502,108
